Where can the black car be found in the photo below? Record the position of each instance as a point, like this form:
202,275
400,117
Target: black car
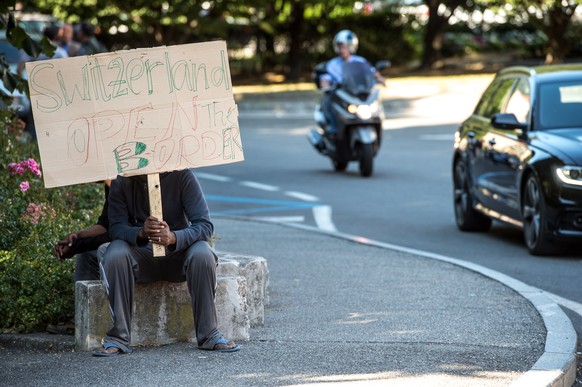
518,158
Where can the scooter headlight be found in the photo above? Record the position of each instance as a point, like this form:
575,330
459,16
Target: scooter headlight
364,112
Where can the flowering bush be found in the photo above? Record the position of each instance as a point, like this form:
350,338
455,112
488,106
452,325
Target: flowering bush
35,288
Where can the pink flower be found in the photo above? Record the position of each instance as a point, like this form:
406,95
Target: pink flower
33,166
24,186
21,167
16,169
33,213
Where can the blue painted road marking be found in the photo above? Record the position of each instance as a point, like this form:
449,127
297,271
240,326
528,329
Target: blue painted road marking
265,205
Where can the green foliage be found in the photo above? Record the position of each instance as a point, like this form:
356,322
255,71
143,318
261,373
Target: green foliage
19,38
35,288
384,35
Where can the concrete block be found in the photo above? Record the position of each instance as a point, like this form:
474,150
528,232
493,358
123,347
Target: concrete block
256,272
162,312
92,317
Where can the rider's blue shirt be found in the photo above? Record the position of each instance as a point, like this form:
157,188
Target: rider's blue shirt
334,68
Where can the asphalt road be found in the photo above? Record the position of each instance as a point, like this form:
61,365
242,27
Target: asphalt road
407,202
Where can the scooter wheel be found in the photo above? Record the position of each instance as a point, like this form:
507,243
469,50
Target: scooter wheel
340,165
366,160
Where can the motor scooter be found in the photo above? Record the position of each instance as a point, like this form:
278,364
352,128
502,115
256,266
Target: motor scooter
356,112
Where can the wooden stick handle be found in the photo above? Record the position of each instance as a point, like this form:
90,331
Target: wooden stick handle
155,196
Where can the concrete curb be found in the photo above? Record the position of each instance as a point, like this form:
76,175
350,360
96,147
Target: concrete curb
38,342
556,366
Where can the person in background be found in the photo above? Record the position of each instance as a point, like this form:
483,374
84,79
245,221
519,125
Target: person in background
67,40
345,44
89,43
84,244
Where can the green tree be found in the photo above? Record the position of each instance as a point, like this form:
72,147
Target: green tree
553,18
287,35
18,37
440,11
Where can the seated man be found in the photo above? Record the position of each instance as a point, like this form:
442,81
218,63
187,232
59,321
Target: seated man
84,243
185,233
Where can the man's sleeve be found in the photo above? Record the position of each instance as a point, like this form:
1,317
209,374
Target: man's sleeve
103,220
334,70
119,226
88,244
196,209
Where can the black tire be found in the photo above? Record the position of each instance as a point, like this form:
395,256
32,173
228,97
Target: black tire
467,218
339,166
533,209
366,159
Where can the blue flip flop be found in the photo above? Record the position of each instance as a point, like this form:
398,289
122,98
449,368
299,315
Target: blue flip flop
222,341
102,352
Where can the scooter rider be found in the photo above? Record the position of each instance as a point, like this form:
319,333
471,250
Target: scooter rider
345,44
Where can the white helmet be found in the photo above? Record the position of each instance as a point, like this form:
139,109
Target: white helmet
346,37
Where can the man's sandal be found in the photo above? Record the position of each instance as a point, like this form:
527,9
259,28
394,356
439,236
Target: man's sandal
222,341
109,350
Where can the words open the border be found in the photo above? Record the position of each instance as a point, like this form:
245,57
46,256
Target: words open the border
134,112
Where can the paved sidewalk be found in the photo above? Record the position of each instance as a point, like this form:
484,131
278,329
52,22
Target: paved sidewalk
342,313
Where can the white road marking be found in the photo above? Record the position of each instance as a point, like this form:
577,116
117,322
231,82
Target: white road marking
281,219
210,176
264,187
436,137
322,215
302,196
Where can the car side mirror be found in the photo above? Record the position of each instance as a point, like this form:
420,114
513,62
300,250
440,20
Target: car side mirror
507,121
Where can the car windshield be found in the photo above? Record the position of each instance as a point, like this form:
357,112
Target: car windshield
358,78
560,105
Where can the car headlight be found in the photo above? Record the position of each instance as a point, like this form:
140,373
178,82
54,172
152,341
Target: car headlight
570,174
364,112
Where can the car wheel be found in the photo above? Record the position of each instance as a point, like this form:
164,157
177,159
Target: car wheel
467,218
534,218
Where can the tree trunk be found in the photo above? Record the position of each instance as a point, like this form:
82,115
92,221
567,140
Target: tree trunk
433,36
266,38
295,33
555,26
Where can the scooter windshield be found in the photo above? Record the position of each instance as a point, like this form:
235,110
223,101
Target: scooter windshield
358,78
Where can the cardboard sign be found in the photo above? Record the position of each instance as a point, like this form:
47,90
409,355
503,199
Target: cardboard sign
134,112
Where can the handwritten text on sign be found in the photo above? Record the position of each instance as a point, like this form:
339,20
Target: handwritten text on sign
134,112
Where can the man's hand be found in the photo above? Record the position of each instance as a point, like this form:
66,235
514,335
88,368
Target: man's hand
62,249
157,231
